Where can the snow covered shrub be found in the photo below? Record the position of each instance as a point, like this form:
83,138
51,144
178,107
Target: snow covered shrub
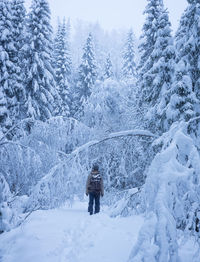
172,198
8,216
4,189
61,184
127,202
20,166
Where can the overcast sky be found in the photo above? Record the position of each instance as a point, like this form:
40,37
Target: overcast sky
112,14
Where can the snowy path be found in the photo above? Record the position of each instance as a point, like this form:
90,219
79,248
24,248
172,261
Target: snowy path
70,235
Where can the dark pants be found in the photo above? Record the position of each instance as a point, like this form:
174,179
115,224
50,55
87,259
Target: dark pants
94,197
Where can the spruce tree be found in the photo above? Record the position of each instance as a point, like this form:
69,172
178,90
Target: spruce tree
188,42
108,68
161,74
185,92
19,36
182,101
87,71
8,102
43,100
148,38
63,66
56,45
129,66
156,74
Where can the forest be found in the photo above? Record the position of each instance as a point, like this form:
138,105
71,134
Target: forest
72,97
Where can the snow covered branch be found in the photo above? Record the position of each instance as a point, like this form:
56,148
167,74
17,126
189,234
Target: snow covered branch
122,134
15,126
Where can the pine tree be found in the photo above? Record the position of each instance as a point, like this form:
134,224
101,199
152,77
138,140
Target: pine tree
87,70
148,37
186,87
8,103
129,66
146,47
161,74
157,71
56,44
108,68
188,42
19,34
182,98
63,66
42,96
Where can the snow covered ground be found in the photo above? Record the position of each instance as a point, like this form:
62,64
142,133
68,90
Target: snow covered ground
71,235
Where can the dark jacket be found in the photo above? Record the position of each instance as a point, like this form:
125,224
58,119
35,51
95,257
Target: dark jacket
90,187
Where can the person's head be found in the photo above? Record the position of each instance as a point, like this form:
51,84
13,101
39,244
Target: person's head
95,167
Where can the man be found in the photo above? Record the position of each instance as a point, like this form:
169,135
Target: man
94,187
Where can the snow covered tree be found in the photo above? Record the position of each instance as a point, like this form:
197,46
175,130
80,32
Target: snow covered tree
146,47
129,66
171,192
103,107
182,98
19,36
63,65
161,74
5,194
8,69
56,44
185,93
188,41
3,110
148,39
43,100
87,70
108,68
157,72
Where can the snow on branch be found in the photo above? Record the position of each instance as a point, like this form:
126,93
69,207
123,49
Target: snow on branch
171,192
26,120
121,134
193,119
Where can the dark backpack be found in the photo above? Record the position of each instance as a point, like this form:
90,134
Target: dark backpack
95,182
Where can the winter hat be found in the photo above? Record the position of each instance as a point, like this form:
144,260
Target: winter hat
95,167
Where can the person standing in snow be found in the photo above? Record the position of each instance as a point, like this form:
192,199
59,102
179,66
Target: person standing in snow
95,189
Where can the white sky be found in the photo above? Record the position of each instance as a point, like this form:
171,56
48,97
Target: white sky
112,14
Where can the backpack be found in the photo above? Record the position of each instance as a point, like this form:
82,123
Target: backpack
95,182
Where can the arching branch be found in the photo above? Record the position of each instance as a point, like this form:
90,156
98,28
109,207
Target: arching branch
111,136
